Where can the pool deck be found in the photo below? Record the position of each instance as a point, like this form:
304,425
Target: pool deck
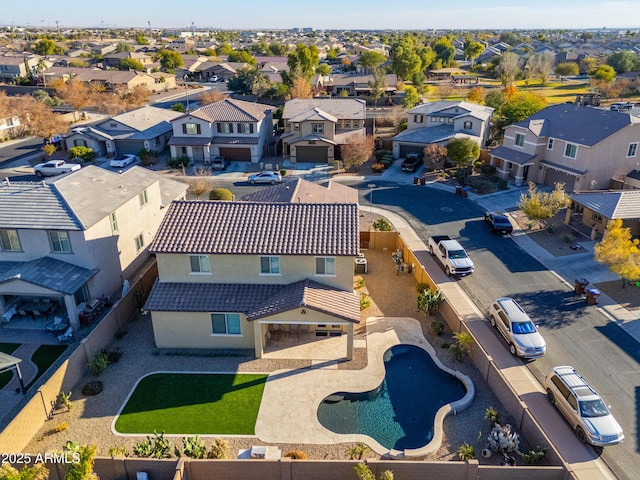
291,397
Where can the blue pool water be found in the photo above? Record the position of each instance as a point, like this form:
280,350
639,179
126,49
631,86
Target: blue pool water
399,413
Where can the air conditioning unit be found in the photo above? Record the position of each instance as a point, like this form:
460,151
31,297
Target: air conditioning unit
258,451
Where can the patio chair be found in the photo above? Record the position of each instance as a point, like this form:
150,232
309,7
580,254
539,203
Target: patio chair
22,313
66,336
6,318
55,325
37,314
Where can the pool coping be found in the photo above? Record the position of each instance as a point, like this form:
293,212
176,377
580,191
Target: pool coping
290,400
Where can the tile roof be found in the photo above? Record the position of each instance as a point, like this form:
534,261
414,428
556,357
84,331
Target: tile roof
251,228
255,300
577,124
314,113
48,273
35,205
511,155
148,123
623,204
302,191
230,110
222,140
437,134
449,107
352,108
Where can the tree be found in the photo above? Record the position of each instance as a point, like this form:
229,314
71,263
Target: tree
541,66
619,252
377,85
371,60
37,472
404,59
357,150
463,151
543,206
137,96
141,39
565,69
74,92
211,96
472,50
520,106
124,47
624,61
43,97
301,88
44,47
323,69
169,59
241,56
411,97
588,64
302,62
445,51
130,64
434,154
508,67
476,95
606,73
178,107
36,118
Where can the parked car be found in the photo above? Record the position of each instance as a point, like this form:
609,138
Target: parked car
506,315
583,408
498,222
213,78
55,167
265,177
621,107
411,162
122,161
220,163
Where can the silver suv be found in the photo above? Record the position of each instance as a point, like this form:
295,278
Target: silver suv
506,315
582,407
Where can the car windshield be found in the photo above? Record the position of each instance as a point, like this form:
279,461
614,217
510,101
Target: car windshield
521,328
593,408
457,254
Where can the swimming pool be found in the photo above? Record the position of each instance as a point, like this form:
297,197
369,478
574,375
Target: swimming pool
400,413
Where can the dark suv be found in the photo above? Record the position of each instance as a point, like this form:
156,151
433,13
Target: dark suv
411,162
498,222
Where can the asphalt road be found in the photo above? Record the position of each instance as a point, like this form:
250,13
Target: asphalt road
14,152
576,334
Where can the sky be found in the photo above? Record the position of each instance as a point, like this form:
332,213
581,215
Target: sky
328,14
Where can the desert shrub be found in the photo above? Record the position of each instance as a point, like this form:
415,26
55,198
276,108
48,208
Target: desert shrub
191,447
118,451
420,287
382,153
492,415
64,399
429,300
98,363
61,427
283,172
220,194
534,456
488,169
482,185
462,347
500,182
220,449
296,455
85,153
466,452
365,301
437,327
383,225
568,238
386,162
360,283
377,167
112,355
153,447
92,388
178,162
147,156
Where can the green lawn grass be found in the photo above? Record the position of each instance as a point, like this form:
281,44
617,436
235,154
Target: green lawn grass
8,348
44,357
186,403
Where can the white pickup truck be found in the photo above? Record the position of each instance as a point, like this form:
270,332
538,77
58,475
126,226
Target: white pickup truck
55,167
451,255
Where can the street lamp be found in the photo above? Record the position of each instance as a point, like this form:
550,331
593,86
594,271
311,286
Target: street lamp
371,187
186,91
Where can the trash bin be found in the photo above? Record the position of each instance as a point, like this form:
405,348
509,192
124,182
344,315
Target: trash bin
459,191
592,296
416,180
423,181
465,192
581,285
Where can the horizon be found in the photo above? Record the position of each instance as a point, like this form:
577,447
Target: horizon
412,15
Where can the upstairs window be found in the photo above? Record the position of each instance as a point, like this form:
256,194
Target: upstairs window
270,265
225,127
571,150
468,125
9,240
325,266
113,221
142,198
245,128
199,264
296,127
139,242
191,128
550,144
418,118
633,149
59,242
317,128
519,140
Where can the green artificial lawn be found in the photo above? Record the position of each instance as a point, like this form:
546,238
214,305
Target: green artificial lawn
188,403
8,348
44,357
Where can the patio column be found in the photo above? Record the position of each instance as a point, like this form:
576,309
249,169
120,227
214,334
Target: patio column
349,341
207,153
258,338
519,176
72,312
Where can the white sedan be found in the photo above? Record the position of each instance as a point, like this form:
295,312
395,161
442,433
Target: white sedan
265,177
122,161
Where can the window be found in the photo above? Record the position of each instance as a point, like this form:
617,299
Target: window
191,128
59,241
418,118
225,324
225,127
347,124
519,140
296,127
199,264
113,221
325,266
9,240
468,125
596,217
317,127
356,124
633,149
434,119
245,128
571,150
550,144
270,265
142,198
139,242
450,120
82,294
441,119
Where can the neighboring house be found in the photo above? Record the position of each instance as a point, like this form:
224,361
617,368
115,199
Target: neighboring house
8,127
230,128
146,128
302,191
113,59
113,80
355,85
597,209
582,147
315,128
439,123
231,273
76,237
13,67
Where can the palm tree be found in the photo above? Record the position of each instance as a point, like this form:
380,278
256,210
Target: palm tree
40,68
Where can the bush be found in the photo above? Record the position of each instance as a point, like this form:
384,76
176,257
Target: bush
387,163
112,355
420,287
98,363
466,452
482,185
296,455
61,427
502,184
178,162
192,447
92,388
383,225
437,327
365,301
220,194
488,169
382,153
220,449
147,156
283,172
156,447
85,153
64,399
377,167
534,456
568,238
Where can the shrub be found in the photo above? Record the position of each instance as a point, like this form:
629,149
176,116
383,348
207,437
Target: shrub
502,184
382,153
360,283
429,300
466,452
178,162
534,456
85,153
156,447
482,185
492,415
462,347
386,162
365,301
296,455
118,451
64,399
98,363
383,225
220,194
502,439
283,172
112,355
568,238
61,427
488,169
92,388
437,327
192,447
220,449
147,156
377,167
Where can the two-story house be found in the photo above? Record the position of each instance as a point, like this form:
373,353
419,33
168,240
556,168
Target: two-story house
233,273
72,238
147,128
230,128
440,122
315,128
582,147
